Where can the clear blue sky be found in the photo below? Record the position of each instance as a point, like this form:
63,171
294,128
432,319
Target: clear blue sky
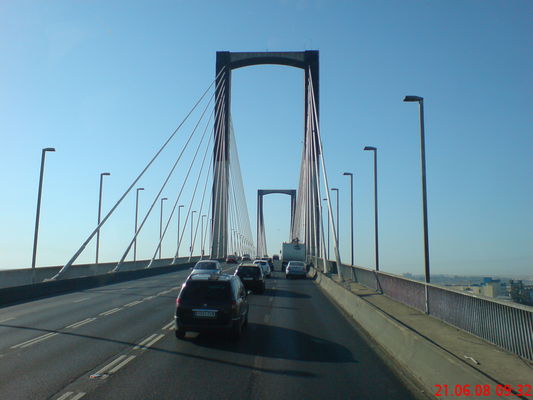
105,82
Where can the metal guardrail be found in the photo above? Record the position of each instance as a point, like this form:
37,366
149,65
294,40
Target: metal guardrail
507,325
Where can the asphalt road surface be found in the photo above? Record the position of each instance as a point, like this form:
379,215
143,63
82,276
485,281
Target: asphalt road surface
117,342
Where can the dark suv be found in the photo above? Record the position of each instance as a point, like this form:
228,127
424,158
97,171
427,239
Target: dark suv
212,302
252,277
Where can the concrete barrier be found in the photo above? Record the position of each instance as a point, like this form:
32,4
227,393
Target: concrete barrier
428,363
23,276
28,292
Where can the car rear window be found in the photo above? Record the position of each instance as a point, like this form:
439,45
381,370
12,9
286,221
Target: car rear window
248,271
205,265
204,291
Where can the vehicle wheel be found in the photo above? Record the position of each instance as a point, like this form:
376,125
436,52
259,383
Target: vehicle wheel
180,333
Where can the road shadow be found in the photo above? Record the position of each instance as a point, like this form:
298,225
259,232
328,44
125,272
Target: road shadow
278,342
285,293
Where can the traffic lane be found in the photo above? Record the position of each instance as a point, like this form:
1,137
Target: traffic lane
23,322
335,359
41,369
199,367
298,345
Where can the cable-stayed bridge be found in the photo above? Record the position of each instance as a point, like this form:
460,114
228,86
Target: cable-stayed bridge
410,339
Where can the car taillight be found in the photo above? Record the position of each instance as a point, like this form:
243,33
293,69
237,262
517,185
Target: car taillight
178,301
233,305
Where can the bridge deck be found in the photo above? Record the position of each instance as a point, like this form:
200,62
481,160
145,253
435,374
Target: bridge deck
298,345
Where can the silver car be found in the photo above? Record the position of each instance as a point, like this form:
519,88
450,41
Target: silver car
265,267
207,267
296,269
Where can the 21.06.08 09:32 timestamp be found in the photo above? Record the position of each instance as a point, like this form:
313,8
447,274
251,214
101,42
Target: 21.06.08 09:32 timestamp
506,391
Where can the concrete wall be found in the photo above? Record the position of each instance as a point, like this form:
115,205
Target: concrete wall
425,361
20,277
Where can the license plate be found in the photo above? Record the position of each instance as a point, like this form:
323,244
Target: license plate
247,278
205,314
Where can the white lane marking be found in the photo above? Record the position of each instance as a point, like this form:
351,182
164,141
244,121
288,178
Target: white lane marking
80,300
148,344
266,318
148,298
123,363
271,299
68,394
6,319
34,340
108,366
109,312
133,303
143,342
162,293
168,326
65,396
80,323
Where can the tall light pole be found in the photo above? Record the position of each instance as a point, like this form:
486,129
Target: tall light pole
202,235
99,213
351,209
38,213
375,150
136,217
161,226
337,190
179,212
420,101
328,233
192,226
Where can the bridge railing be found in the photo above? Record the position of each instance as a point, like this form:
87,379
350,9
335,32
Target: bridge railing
508,325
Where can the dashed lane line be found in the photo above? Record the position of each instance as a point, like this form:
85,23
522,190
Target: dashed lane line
122,364
6,319
112,367
109,312
80,300
80,323
133,303
71,396
168,326
148,342
34,340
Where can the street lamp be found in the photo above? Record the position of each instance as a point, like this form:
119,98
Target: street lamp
161,227
202,235
351,209
37,214
179,211
375,150
136,215
420,101
328,233
99,213
192,226
337,190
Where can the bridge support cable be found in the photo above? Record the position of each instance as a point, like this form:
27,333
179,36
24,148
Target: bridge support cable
71,261
240,219
326,184
178,197
164,184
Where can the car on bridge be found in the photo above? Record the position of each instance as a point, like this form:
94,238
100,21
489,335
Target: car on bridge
265,266
252,277
212,302
231,259
296,269
206,267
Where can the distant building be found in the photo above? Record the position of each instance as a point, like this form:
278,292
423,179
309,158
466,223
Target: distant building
489,288
521,293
